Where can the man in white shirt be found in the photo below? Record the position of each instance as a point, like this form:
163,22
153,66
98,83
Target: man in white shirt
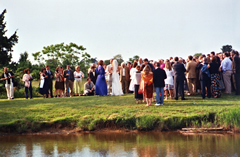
8,77
109,77
226,67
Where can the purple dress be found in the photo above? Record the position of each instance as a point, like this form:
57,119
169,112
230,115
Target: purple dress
101,85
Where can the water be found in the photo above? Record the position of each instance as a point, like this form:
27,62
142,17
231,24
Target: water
148,144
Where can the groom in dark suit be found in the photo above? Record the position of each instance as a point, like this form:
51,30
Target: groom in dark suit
68,74
179,77
49,79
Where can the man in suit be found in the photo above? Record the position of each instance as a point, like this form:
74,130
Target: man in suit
68,74
159,75
236,71
49,79
204,77
89,87
109,77
191,75
93,75
179,77
124,77
145,62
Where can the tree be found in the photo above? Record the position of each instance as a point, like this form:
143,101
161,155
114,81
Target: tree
23,63
136,57
6,44
23,60
197,54
64,54
107,62
226,48
119,59
60,54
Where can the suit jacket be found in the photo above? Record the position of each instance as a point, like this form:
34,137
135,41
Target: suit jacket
191,69
67,77
93,77
50,76
127,73
202,76
179,71
159,75
86,86
236,65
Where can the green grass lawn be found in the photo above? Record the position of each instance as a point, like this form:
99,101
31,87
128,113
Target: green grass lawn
92,112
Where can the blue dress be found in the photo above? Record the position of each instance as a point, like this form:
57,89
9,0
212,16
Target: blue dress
101,85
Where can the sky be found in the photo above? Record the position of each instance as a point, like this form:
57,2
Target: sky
153,29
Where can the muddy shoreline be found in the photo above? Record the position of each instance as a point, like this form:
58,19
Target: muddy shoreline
56,130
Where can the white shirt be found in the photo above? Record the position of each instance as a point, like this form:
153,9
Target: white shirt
108,69
137,77
78,74
169,80
123,73
132,73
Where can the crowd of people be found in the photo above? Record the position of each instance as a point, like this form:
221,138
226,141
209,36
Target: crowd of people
208,75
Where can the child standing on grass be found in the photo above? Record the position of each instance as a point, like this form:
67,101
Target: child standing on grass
137,80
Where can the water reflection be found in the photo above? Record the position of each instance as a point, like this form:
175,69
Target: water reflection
121,144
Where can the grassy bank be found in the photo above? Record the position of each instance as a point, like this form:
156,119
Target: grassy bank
90,113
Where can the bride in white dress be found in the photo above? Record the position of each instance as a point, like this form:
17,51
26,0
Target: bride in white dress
116,86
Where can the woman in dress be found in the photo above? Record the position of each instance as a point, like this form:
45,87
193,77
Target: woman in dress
215,77
43,87
169,82
78,75
27,78
132,76
59,86
136,82
101,85
116,86
147,84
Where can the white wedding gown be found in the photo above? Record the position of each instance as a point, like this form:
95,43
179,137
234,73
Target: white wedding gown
116,86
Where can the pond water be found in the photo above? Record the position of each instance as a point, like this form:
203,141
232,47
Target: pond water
121,144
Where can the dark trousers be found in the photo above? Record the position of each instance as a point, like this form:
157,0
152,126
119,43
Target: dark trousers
30,92
206,83
50,89
90,93
237,80
178,87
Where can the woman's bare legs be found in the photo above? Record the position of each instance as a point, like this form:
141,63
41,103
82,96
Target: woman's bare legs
57,90
171,93
166,94
147,102
150,102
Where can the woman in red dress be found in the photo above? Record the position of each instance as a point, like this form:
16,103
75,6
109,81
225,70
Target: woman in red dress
147,84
